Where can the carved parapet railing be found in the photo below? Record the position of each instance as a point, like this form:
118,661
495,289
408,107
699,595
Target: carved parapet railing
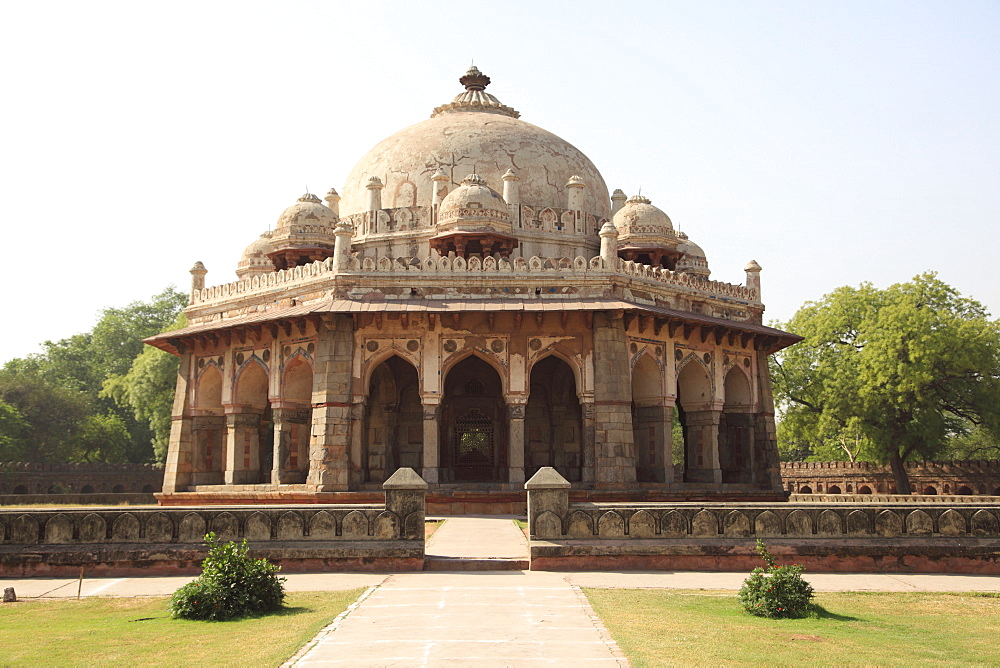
914,536
433,266
129,539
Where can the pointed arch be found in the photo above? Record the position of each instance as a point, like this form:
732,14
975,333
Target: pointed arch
297,380
572,360
250,387
474,427
460,357
737,390
393,421
553,419
651,420
208,391
380,357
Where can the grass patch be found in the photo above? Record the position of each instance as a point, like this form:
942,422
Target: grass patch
659,627
139,631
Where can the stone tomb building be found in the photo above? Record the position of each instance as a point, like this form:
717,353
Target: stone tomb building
475,306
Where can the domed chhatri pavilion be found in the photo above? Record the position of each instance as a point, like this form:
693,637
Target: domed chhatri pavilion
475,306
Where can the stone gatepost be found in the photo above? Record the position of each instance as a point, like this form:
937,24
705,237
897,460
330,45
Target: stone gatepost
515,416
548,503
405,495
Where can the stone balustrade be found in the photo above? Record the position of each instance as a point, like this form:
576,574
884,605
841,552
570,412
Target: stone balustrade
433,266
927,537
132,539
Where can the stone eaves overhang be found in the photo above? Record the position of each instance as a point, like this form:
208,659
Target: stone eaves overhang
767,339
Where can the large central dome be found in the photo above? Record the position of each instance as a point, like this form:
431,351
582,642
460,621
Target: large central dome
475,133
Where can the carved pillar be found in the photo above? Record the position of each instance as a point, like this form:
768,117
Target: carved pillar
177,473
242,448
431,405
515,419
665,453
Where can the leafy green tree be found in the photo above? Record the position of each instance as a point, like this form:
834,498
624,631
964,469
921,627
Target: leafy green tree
78,367
148,390
909,367
974,443
51,416
12,431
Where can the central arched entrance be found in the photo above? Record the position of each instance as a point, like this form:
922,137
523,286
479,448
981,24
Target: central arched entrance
473,433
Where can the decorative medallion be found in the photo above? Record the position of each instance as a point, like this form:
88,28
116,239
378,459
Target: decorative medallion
725,360
634,348
239,359
535,344
412,345
201,363
678,354
286,351
707,357
311,348
746,362
267,355
496,345
372,346
659,351
219,360
450,346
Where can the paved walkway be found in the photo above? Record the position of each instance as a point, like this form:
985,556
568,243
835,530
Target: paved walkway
482,618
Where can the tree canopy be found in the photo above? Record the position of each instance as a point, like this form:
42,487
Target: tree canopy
899,372
52,404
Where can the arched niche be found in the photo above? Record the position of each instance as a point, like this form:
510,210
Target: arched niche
252,437
736,429
292,415
393,425
208,432
698,421
553,420
651,421
473,423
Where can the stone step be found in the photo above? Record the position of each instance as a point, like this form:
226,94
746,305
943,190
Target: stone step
435,563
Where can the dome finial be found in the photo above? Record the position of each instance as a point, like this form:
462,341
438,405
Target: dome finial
474,79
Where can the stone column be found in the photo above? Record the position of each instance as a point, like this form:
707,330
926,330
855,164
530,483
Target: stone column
329,441
701,431
665,452
208,435
242,448
342,234
609,245
515,419
588,441
374,187
766,463
291,427
431,405
615,451
358,455
177,472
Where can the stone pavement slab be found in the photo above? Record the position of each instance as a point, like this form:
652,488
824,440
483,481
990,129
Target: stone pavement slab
466,619
482,537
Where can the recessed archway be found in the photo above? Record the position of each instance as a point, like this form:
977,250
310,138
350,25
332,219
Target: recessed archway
393,428
736,429
694,412
651,421
208,429
553,420
473,424
252,439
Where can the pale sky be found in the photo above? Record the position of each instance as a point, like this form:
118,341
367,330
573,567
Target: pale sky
833,142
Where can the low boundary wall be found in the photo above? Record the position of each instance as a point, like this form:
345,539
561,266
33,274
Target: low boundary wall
837,537
155,541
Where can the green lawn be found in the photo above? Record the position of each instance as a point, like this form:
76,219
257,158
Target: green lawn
658,627
139,631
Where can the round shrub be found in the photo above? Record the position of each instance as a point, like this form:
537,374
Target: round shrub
231,584
775,591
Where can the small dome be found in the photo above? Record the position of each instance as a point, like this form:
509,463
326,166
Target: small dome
692,260
473,204
254,259
308,210
639,216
